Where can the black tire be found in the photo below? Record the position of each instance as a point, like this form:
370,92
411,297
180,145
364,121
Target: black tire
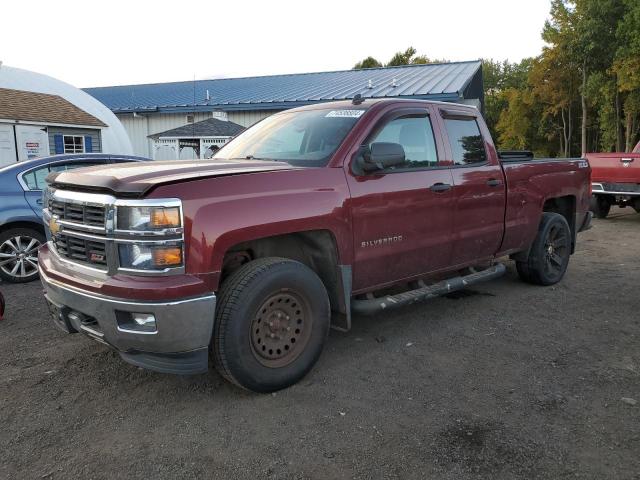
19,255
272,319
549,255
600,206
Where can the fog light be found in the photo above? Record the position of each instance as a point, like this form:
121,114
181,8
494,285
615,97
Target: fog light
144,320
136,322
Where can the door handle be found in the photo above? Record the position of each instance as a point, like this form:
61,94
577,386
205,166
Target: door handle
39,201
492,182
440,187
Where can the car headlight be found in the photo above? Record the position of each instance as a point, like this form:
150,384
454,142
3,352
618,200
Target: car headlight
141,256
148,218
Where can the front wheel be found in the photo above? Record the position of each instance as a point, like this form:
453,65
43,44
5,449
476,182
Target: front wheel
549,255
272,320
19,254
600,206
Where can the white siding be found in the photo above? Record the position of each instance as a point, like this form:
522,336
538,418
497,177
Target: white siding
248,118
137,129
141,126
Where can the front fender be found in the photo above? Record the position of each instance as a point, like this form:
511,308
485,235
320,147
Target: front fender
223,212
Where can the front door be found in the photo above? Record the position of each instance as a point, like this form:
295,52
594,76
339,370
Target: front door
402,216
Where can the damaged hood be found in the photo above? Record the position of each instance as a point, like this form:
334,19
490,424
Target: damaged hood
135,179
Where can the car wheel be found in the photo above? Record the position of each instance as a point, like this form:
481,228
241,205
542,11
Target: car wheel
549,255
19,254
272,320
600,206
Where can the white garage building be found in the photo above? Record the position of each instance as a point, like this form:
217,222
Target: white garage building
40,115
147,110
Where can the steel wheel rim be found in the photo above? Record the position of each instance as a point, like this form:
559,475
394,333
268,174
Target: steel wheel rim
280,329
556,247
19,256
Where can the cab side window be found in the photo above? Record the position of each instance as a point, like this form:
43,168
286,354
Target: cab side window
467,144
415,134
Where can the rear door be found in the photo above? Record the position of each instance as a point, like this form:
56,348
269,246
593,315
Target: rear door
479,187
33,181
402,216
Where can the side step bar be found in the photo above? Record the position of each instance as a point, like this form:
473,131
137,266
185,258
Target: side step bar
374,305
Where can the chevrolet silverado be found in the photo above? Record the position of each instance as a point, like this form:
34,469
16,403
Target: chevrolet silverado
310,215
615,180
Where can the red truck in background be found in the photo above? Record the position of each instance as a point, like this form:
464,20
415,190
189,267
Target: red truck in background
304,218
615,180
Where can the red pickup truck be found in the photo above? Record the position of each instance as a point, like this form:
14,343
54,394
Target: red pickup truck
615,180
304,218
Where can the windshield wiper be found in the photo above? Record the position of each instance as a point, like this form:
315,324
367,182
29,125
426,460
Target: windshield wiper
251,157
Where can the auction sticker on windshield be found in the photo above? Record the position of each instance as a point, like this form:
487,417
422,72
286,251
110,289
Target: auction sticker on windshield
345,113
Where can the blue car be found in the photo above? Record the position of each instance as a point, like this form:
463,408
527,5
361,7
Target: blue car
21,228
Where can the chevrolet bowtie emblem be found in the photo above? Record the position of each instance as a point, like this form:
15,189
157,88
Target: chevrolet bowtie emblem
54,226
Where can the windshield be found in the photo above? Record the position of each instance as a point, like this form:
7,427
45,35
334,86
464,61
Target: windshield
305,138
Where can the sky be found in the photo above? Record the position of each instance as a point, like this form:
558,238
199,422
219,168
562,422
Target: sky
116,42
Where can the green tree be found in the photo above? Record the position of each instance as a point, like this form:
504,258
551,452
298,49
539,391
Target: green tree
626,66
498,76
405,58
408,57
368,62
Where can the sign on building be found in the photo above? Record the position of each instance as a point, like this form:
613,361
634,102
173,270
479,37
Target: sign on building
32,141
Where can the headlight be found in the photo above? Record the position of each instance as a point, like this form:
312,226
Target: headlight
148,218
140,256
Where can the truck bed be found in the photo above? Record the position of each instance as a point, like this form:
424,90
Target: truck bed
529,182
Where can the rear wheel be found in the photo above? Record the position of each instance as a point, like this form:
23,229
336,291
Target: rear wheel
549,255
19,254
600,206
272,320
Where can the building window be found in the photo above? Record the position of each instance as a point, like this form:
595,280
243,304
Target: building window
73,144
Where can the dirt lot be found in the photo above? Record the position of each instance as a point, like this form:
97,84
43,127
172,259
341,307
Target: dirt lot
508,381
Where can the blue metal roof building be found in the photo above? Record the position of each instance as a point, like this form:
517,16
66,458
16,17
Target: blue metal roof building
247,100
447,81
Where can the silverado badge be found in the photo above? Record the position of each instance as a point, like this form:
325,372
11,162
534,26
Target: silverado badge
54,226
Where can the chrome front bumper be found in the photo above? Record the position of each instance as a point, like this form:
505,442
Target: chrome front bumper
621,189
178,345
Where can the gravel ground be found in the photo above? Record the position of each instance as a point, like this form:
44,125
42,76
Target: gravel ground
508,381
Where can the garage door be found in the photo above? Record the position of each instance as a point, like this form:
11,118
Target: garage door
33,142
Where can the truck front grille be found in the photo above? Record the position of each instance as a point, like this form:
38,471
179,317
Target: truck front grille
73,212
80,250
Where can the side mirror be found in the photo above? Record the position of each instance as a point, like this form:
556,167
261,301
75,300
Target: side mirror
382,155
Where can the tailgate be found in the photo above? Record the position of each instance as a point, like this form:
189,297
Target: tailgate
615,167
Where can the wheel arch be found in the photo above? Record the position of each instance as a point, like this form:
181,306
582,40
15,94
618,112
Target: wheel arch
317,249
565,206
22,224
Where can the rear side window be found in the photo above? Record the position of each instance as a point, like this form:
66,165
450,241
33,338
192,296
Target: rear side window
415,134
467,144
35,179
